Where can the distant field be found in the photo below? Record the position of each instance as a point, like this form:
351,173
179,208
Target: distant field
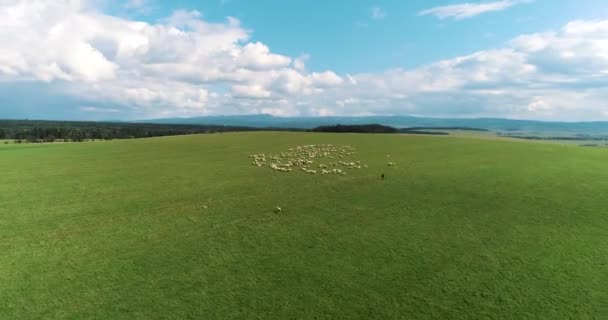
493,135
185,228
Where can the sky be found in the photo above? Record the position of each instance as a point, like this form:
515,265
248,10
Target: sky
145,59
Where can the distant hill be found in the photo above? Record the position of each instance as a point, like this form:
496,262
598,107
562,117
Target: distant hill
493,124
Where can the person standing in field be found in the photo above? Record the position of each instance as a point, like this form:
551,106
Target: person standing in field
382,176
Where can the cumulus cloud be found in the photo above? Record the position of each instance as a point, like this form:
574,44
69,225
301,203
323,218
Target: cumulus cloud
258,56
250,91
555,75
469,10
158,68
300,62
184,65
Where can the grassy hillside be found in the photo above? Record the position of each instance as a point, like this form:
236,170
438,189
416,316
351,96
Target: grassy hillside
184,227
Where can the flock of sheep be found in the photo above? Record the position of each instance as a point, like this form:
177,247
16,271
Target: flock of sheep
305,158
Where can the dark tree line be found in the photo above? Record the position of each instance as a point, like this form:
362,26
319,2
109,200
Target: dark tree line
445,128
417,131
363,128
377,128
49,131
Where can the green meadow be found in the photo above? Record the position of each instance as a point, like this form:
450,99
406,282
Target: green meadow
185,228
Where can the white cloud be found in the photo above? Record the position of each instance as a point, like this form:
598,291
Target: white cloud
326,79
300,62
378,13
187,66
257,56
166,66
250,91
556,75
469,10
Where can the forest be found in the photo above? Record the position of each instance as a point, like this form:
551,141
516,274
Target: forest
34,131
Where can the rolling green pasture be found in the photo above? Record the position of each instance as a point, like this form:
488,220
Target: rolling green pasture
184,228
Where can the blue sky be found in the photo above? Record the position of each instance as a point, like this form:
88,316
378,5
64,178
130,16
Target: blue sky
343,35
139,59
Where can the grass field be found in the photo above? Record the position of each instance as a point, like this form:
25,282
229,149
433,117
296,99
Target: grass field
184,228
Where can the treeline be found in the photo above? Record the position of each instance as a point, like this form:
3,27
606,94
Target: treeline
446,128
419,131
363,128
50,131
377,128
34,131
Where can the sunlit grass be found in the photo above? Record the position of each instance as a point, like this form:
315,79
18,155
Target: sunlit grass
187,227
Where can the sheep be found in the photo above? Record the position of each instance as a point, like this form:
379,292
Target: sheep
303,157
